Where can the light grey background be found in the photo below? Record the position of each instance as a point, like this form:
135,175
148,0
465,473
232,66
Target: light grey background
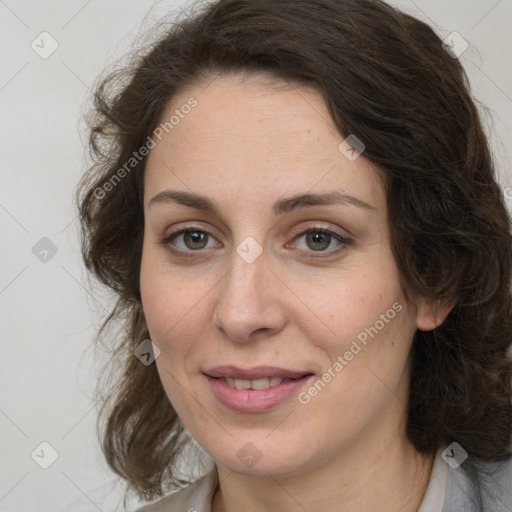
48,314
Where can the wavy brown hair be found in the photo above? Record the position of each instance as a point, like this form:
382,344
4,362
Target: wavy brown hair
385,77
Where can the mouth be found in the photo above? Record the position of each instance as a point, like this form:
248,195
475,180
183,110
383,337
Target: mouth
256,389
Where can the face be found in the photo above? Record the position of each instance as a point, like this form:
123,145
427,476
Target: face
266,259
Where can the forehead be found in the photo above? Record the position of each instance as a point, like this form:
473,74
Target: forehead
252,133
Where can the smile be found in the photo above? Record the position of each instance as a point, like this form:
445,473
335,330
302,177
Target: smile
254,390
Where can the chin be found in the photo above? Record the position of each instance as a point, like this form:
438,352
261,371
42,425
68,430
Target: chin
258,456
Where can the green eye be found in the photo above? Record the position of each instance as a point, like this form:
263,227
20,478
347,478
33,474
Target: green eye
190,240
195,239
318,240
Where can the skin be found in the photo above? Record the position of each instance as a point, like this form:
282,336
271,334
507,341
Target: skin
245,145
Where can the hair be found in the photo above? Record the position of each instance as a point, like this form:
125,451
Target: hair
385,77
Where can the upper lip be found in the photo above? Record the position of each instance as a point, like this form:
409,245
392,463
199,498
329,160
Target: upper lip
257,372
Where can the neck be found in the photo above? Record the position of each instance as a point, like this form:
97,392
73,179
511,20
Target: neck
389,477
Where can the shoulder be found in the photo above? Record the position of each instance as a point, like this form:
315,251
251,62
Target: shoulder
480,487
196,497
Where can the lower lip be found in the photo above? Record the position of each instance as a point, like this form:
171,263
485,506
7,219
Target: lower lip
255,400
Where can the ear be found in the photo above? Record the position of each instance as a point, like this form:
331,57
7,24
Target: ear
431,314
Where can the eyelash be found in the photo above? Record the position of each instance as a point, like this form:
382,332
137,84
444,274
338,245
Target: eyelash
310,228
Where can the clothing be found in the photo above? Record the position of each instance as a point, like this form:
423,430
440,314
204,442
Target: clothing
486,487
434,497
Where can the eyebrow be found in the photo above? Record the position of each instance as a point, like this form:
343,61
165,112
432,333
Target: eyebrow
280,207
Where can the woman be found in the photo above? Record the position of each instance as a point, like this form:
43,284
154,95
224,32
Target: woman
296,206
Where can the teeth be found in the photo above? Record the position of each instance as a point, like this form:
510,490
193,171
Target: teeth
274,381
242,384
260,383
264,383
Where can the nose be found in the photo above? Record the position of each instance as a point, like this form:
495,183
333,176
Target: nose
249,303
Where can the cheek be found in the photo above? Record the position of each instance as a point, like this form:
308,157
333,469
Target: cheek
162,299
363,323
175,307
171,308
366,366
353,302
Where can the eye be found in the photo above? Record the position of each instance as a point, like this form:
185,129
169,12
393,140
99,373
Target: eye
319,240
188,240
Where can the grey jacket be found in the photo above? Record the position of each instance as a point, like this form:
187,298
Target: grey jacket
482,487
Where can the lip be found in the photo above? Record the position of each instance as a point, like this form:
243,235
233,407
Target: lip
255,400
257,372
